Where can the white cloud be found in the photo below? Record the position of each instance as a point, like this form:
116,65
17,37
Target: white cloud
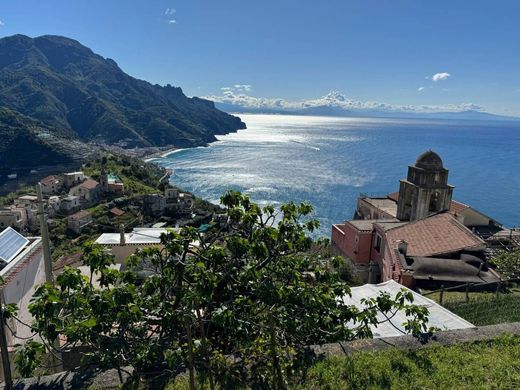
2,23
420,89
172,21
231,95
237,88
243,87
169,11
440,76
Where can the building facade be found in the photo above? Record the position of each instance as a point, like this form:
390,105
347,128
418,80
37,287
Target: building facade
399,236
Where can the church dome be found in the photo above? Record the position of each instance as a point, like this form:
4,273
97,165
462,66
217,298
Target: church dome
429,160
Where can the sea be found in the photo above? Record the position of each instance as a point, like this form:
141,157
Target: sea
330,161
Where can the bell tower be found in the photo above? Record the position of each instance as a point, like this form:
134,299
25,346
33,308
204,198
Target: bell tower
426,190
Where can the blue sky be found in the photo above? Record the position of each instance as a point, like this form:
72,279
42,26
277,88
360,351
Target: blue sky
369,50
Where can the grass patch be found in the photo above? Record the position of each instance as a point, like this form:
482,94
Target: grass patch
482,365
488,309
491,364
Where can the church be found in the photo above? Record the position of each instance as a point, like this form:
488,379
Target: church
419,236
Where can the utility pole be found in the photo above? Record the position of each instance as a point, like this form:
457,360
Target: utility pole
45,238
6,364
44,229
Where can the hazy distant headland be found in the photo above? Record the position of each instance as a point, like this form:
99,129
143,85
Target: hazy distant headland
336,104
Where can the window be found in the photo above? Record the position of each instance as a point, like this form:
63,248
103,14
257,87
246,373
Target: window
377,244
434,200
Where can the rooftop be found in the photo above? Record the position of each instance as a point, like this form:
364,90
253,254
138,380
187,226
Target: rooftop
438,316
48,180
136,237
451,270
367,224
387,205
435,235
30,198
116,211
89,184
79,215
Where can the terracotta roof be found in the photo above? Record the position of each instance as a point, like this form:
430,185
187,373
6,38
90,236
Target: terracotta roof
48,180
436,235
117,212
455,207
80,214
394,196
89,184
67,260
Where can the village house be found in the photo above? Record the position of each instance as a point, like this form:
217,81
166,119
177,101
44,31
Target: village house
77,221
14,217
178,202
122,244
73,178
154,204
88,191
53,205
51,185
418,236
111,183
27,207
22,269
69,204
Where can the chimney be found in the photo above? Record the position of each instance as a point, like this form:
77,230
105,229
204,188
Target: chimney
402,247
122,240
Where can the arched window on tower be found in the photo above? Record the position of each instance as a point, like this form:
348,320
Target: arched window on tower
434,201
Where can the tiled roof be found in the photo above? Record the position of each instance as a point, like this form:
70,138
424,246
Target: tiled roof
80,214
67,260
435,235
116,211
48,180
455,206
394,196
89,184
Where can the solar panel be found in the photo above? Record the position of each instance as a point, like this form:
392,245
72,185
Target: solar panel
11,243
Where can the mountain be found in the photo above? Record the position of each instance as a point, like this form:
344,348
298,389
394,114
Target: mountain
63,87
24,141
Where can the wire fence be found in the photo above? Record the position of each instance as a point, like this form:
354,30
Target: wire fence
482,303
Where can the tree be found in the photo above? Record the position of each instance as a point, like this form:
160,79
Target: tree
508,263
242,300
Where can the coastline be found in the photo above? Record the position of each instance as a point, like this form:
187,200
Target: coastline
160,154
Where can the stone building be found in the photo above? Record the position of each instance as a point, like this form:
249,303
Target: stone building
22,269
426,190
78,221
89,191
111,182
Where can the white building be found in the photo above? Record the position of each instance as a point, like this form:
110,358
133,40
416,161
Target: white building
22,269
51,184
122,245
69,203
12,217
73,178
